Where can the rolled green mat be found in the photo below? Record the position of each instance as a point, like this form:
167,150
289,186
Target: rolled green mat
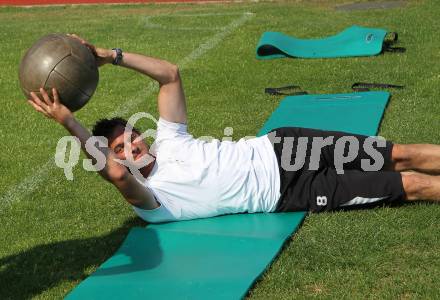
353,41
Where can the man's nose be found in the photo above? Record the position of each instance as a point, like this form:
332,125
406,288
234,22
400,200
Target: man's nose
134,149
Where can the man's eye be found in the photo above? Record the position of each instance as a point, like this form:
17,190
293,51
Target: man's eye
118,149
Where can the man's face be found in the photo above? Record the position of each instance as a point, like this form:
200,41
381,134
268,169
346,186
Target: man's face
133,144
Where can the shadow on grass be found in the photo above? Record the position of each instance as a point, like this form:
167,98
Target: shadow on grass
31,272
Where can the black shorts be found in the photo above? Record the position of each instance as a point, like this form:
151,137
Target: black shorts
322,185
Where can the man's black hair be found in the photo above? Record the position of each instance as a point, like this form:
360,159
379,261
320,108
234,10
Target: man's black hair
105,127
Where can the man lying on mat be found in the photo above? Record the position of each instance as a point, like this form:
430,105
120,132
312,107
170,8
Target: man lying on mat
186,178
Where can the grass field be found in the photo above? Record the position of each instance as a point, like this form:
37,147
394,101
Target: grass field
55,232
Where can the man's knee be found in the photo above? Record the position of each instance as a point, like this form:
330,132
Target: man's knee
414,185
401,156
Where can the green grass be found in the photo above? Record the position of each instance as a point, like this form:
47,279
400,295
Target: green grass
54,236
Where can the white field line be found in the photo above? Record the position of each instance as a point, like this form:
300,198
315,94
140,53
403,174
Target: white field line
32,182
149,23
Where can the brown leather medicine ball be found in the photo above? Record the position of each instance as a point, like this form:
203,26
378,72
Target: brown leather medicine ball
61,62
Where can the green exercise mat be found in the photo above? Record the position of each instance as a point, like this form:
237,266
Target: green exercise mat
221,257
215,258
353,41
359,112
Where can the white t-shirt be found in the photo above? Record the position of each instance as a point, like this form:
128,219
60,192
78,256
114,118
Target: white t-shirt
195,178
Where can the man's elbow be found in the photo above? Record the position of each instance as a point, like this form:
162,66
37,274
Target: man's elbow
174,73
117,176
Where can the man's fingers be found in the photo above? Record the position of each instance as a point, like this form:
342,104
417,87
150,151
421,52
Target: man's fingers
75,36
56,98
46,97
38,101
84,42
38,108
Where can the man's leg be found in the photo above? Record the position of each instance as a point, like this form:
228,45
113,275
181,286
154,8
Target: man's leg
420,186
326,190
423,158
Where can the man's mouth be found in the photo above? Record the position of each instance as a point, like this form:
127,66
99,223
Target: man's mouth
138,155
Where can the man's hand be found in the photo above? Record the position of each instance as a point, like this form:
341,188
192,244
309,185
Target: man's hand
103,56
51,108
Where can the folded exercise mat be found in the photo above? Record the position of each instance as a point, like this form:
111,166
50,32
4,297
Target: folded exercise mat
221,257
353,41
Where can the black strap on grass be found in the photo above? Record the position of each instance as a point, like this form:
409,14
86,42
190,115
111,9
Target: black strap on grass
366,86
392,36
389,42
289,90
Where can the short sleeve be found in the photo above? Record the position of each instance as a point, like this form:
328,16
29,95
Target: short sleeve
157,215
167,129
164,213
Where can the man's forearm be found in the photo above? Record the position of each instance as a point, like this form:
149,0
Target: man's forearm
160,70
76,129
171,98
